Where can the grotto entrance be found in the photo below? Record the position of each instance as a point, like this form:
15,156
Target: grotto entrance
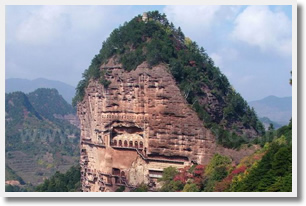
127,137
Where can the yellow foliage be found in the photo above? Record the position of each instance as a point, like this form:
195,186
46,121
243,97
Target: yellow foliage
240,178
188,41
266,146
49,166
281,140
40,162
168,30
216,161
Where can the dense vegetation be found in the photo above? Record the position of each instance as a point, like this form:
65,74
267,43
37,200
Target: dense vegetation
30,119
271,134
15,104
37,144
158,41
49,98
267,170
15,188
59,182
67,182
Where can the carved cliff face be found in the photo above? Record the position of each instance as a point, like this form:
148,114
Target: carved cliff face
140,123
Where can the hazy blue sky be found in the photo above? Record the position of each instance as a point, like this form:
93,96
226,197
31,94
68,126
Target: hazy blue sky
250,44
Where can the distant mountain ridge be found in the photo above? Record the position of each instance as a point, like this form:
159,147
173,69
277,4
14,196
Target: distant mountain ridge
49,102
277,109
266,122
38,142
26,86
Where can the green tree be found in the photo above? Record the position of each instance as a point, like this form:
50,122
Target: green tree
67,182
169,185
281,161
141,188
192,187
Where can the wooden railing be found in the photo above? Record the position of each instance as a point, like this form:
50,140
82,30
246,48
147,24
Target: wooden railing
93,144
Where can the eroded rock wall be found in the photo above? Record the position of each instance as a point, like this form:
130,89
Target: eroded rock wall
136,127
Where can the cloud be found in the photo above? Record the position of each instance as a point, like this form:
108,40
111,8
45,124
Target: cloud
208,25
223,57
46,24
15,70
269,30
200,19
218,60
41,26
225,53
188,16
44,41
52,41
247,79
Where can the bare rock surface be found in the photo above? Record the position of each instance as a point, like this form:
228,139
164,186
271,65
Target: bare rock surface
136,127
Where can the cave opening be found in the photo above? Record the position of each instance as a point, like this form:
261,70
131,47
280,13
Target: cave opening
127,137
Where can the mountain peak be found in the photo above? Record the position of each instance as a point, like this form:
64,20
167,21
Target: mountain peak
49,102
26,86
278,109
153,94
157,41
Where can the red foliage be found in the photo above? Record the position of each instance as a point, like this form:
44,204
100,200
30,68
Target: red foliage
239,170
182,175
226,182
192,63
197,175
199,170
200,167
198,180
223,185
258,157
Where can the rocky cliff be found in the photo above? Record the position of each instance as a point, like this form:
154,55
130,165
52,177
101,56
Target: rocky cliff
144,110
151,99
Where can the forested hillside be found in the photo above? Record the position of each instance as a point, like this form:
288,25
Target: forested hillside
62,182
267,170
37,144
48,102
205,88
58,182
